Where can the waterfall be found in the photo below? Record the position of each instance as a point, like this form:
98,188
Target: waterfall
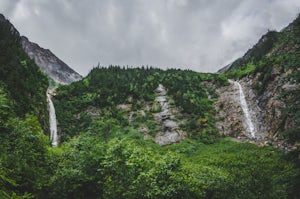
52,121
243,103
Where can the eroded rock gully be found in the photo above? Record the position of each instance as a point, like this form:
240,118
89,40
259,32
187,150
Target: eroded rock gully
170,131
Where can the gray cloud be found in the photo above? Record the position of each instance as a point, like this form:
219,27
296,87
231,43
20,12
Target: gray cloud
201,35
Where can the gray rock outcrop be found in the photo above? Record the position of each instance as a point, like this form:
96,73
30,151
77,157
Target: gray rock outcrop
49,63
171,132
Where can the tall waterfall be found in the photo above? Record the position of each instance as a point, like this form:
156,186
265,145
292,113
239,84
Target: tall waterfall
52,121
243,102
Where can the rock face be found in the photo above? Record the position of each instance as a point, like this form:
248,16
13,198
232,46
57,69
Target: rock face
157,120
231,119
49,63
272,90
265,109
170,133
272,104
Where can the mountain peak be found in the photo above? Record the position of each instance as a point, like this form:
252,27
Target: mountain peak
44,58
49,63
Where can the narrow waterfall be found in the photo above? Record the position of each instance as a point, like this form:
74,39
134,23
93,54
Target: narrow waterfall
52,121
243,102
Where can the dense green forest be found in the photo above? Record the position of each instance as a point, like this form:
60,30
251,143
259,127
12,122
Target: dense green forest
103,155
105,88
23,118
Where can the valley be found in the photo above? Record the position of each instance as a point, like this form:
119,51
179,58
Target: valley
144,132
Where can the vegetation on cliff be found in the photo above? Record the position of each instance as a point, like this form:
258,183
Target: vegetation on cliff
275,61
106,88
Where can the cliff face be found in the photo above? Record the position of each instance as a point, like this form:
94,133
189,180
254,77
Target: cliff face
49,63
230,114
268,110
272,90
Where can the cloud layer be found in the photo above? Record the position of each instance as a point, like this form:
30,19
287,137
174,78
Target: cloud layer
202,35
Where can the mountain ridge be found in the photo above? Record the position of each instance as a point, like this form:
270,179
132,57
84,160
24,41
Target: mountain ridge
261,48
50,63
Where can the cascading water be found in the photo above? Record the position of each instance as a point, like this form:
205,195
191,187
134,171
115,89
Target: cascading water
52,121
243,102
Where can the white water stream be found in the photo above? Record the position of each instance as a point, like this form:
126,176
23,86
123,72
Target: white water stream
243,103
52,121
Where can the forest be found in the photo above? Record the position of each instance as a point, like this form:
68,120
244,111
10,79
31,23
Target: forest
104,156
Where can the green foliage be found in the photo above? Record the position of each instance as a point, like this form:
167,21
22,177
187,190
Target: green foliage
23,152
251,171
20,77
266,44
294,181
23,108
241,71
129,168
105,88
4,108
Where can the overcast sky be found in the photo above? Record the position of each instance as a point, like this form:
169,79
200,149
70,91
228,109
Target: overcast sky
202,35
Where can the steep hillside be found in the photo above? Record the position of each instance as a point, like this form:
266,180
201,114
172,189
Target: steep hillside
147,100
257,52
272,87
113,121
49,63
23,116
18,72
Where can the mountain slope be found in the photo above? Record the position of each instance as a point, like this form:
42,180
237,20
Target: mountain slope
49,63
109,124
23,118
18,72
263,46
114,120
132,96
269,74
